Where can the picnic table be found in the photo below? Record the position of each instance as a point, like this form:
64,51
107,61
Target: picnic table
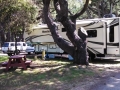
17,61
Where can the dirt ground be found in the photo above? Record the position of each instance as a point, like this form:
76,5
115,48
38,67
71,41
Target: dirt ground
104,70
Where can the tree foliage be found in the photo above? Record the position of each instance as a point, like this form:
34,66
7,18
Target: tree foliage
98,8
15,15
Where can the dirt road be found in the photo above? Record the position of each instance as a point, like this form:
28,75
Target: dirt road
111,82
107,79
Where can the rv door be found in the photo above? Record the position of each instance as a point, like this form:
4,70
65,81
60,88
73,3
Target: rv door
113,39
97,37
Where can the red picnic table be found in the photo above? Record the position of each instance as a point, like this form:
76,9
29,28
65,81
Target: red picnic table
17,61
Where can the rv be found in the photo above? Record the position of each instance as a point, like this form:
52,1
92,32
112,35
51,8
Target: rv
103,37
41,39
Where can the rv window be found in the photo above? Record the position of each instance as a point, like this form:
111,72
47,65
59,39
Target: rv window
63,30
111,34
52,46
92,33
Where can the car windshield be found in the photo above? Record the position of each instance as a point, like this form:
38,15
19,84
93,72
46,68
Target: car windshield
28,44
24,44
5,44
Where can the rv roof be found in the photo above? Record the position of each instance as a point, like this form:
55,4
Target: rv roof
97,19
83,21
42,26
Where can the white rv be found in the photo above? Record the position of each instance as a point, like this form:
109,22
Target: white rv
41,38
103,37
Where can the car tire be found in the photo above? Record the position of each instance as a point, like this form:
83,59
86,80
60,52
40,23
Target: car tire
9,54
3,51
29,53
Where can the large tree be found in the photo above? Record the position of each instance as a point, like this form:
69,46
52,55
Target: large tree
77,47
15,15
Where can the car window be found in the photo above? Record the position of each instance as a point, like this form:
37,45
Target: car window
24,44
28,44
12,44
5,44
18,44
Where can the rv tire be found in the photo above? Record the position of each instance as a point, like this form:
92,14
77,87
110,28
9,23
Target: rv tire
91,57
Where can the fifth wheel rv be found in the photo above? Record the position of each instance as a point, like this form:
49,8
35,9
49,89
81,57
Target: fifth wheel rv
103,37
41,38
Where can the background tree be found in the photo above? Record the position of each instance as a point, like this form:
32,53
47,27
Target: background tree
74,7
98,8
77,47
15,17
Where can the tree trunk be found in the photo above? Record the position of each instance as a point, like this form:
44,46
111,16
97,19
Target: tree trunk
12,36
79,42
77,47
8,36
22,33
2,36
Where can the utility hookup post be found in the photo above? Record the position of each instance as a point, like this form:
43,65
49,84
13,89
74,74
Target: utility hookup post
43,54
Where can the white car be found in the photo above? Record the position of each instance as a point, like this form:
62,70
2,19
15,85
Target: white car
9,47
30,49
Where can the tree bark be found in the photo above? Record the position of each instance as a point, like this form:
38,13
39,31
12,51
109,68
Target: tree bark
66,46
2,36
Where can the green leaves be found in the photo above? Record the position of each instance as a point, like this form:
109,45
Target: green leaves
75,5
15,13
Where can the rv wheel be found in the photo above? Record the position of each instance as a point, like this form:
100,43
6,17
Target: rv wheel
91,57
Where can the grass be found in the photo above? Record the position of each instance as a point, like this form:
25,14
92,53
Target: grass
3,58
42,75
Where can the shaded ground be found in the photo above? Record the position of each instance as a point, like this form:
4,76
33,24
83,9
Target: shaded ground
112,82
105,69
97,81
57,75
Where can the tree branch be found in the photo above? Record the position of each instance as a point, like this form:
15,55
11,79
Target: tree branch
61,7
82,11
68,24
57,6
64,7
65,45
94,10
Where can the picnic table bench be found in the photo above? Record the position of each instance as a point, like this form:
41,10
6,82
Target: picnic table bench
17,61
